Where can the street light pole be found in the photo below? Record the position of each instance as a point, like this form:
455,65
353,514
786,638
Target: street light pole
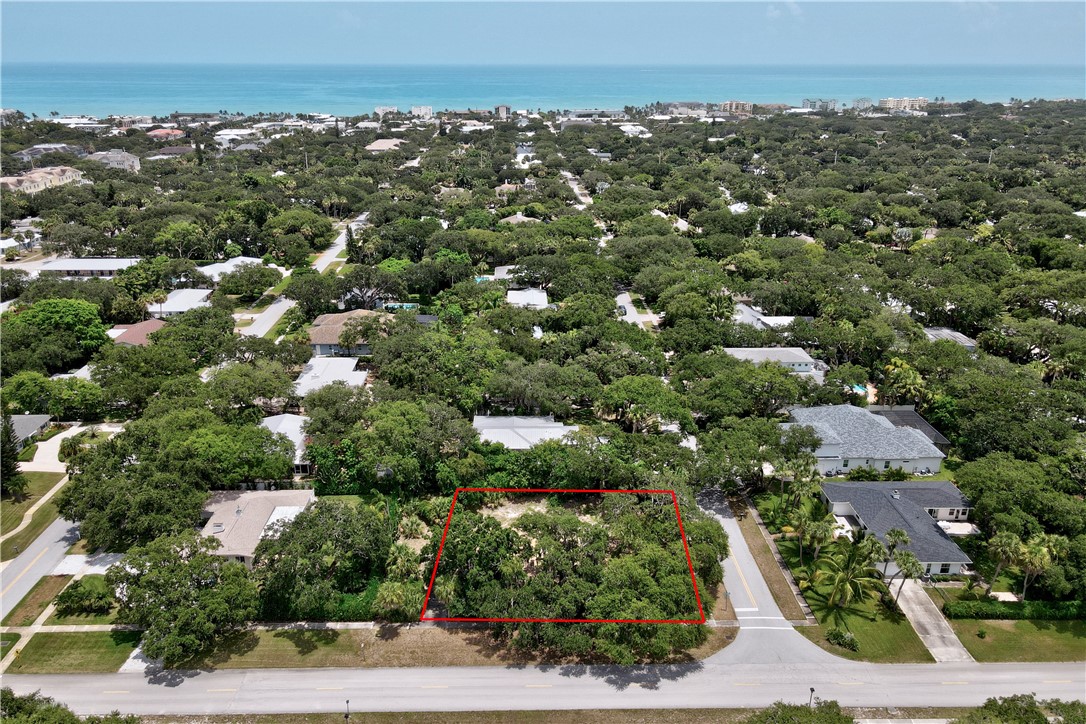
810,702
347,716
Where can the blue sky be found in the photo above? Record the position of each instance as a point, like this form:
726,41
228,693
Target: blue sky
888,33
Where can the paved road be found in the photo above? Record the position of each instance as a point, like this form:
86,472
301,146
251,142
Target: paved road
714,683
632,315
268,318
39,559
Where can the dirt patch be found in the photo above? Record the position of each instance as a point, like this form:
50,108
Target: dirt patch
508,513
415,544
36,601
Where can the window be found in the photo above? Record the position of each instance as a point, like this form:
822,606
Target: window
886,465
927,568
931,512
844,463
944,568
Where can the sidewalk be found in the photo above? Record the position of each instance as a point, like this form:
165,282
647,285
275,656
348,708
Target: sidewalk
930,625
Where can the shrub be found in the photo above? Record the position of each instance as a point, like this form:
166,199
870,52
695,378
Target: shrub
1040,610
84,597
844,639
863,473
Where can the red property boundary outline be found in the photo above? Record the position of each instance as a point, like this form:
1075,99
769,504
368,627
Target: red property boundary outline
682,533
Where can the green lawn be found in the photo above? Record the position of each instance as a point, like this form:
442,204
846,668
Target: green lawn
7,640
36,600
28,452
43,517
93,581
282,649
37,485
1027,640
1023,640
884,636
75,653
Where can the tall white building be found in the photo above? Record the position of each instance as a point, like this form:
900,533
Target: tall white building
820,104
422,111
903,104
861,104
385,110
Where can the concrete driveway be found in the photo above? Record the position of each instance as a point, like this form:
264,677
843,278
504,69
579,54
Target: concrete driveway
648,320
930,625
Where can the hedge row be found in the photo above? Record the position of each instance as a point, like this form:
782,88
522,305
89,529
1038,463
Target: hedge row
1041,610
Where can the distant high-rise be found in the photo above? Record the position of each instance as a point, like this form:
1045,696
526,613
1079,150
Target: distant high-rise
385,110
422,111
739,108
502,112
861,104
903,104
820,104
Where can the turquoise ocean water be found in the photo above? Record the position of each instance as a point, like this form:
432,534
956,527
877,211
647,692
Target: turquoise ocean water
101,89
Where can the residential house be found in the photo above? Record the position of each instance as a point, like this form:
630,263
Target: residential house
520,433
527,298
239,520
291,427
326,330
84,267
519,218
118,159
794,358
28,154
31,182
322,371
135,335
936,333
166,134
27,426
907,416
385,144
929,512
216,270
180,301
167,152
746,314
852,437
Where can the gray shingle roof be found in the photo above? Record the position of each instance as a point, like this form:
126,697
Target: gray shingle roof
866,435
27,425
880,511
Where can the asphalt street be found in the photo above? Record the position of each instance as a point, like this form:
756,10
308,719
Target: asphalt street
719,681
39,559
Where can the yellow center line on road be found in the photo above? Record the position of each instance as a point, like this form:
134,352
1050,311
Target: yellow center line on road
744,683
746,586
36,559
329,688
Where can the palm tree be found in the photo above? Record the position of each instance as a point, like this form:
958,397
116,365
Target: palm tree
801,525
894,537
819,534
1033,558
852,578
1004,547
909,567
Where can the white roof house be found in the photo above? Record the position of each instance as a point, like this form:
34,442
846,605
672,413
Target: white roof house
321,371
239,520
87,266
520,433
291,426
528,298
180,301
794,358
746,314
216,270
385,144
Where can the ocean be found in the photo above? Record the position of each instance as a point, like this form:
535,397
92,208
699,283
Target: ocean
103,89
